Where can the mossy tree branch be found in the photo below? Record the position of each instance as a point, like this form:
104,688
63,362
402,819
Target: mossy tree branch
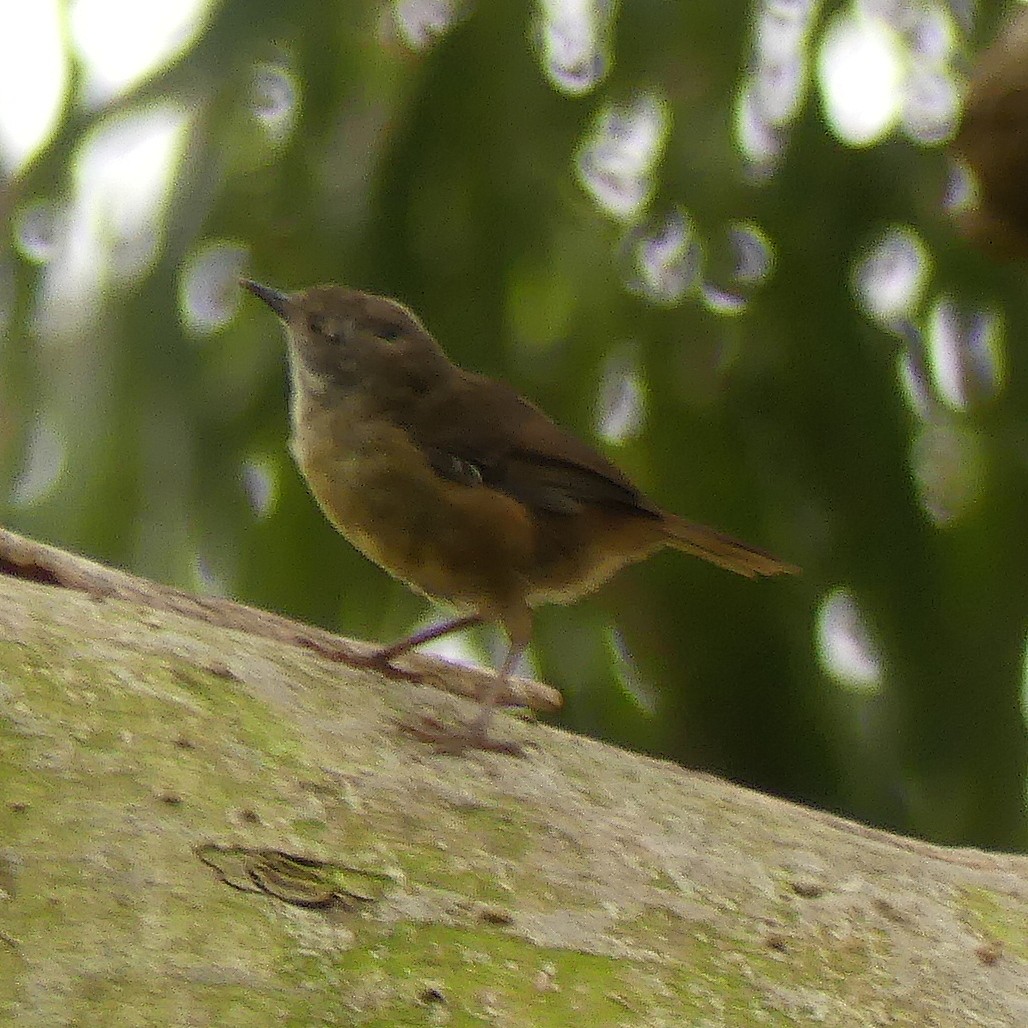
581,883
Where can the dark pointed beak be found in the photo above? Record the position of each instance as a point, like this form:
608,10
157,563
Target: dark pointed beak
277,301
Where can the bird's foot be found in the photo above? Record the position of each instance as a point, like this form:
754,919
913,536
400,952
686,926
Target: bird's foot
458,739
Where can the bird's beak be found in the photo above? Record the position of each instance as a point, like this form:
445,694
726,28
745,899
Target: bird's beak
277,301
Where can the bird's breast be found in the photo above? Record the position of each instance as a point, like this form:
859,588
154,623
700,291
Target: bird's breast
471,546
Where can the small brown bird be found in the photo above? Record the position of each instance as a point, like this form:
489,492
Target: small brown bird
456,485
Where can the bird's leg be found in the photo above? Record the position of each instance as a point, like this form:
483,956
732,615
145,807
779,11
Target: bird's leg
475,736
479,728
382,659
424,635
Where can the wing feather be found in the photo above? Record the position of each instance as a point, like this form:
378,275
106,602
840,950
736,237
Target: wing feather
516,449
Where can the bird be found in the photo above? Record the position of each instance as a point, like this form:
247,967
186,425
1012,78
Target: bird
458,486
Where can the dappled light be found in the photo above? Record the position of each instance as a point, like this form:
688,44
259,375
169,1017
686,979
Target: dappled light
121,41
721,247
275,99
721,300
879,67
37,228
889,65
752,252
574,42
913,374
961,192
931,106
31,90
210,294
775,85
260,484
965,349
421,23
947,463
617,162
738,260
665,259
931,94
621,397
44,461
113,228
205,578
760,142
845,645
860,68
891,278
781,35
886,67
631,681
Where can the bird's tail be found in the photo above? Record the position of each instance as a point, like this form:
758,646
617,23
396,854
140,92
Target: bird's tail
722,549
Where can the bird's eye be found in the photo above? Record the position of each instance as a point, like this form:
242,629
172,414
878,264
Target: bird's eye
315,324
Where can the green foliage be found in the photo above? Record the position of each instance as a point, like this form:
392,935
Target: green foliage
144,413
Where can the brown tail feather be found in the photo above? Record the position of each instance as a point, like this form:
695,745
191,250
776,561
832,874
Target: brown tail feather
722,549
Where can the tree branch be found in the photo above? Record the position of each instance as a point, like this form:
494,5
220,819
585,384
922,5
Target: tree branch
201,823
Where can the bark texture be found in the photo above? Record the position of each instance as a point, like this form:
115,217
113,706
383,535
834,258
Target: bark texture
206,824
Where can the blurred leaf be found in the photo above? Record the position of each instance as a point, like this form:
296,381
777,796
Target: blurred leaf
781,335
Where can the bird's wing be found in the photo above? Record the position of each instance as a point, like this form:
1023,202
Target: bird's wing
484,433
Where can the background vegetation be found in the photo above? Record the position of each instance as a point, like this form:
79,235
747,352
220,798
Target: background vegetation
669,224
